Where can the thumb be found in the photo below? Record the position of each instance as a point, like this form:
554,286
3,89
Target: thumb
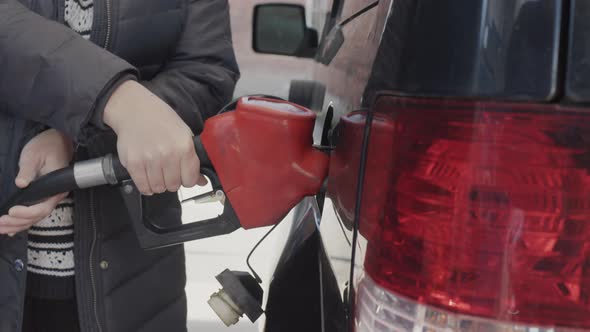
28,170
202,180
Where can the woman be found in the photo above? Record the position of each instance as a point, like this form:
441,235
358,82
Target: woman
79,79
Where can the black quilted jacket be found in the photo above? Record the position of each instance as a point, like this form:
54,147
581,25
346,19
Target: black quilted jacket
50,76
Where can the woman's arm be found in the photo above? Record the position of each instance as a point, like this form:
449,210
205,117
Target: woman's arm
52,75
49,74
194,83
201,75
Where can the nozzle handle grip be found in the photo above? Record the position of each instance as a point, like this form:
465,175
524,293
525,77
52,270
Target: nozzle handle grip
153,236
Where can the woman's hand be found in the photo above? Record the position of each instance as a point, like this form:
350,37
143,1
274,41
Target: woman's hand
153,142
46,152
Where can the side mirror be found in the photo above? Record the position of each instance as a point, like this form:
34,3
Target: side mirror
281,29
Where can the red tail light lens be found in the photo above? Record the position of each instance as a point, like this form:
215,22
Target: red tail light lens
487,209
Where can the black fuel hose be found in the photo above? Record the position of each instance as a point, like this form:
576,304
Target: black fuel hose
85,174
42,188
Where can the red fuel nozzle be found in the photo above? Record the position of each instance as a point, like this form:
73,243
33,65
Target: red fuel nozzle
259,158
263,155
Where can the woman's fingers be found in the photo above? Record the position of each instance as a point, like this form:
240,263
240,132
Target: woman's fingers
137,171
172,171
10,221
158,138
11,225
38,211
29,165
20,218
190,169
155,175
46,152
165,170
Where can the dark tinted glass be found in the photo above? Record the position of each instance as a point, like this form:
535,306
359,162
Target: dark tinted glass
279,29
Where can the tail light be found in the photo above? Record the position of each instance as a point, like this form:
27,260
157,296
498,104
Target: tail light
379,310
486,221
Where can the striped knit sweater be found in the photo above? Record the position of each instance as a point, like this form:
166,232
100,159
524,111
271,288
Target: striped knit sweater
79,15
51,241
51,254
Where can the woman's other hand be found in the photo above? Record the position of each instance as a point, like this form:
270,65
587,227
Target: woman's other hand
153,142
46,152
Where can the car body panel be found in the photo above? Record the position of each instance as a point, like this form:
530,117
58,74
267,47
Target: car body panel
463,49
348,73
503,49
578,63
303,294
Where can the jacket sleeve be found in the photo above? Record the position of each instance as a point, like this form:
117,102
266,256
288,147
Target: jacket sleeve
50,74
201,75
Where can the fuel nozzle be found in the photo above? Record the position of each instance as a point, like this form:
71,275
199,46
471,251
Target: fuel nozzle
240,294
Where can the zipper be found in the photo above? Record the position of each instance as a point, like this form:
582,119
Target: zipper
92,278
107,40
109,24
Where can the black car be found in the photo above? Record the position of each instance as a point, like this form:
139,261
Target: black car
458,197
